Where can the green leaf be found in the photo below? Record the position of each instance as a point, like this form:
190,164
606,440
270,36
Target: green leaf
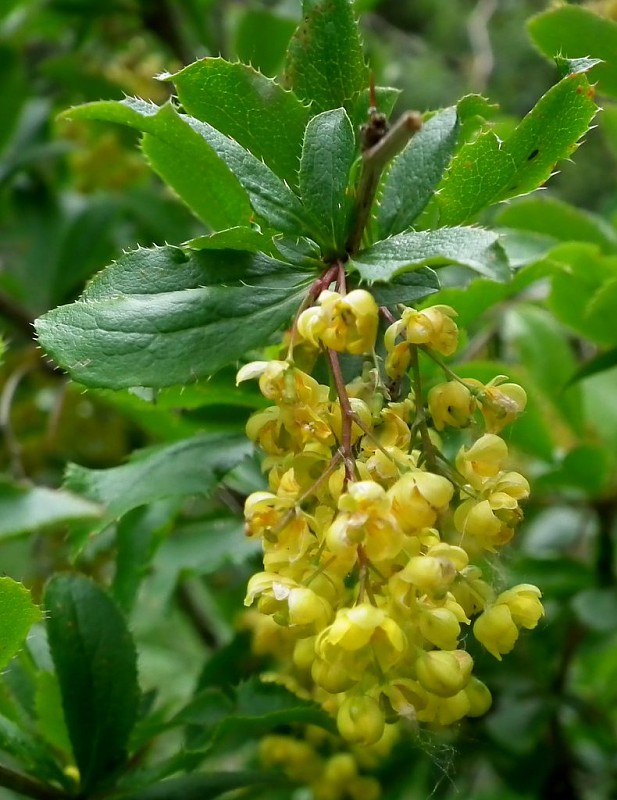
24,509
573,31
251,240
137,534
386,97
600,363
538,342
486,171
17,615
408,288
471,247
95,662
328,153
577,284
50,717
191,466
161,317
415,173
181,156
184,150
203,786
245,105
552,217
325,64
258,707
261,37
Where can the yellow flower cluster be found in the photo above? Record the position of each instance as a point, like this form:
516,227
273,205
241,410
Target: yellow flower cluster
369,533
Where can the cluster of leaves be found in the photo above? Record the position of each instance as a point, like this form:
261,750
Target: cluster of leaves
160,536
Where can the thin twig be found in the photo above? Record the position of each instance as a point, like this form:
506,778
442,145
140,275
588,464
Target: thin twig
374,161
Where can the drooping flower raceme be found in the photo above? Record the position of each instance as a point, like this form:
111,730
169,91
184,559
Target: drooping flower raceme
370,533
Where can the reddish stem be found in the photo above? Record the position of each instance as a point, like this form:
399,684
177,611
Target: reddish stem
346,413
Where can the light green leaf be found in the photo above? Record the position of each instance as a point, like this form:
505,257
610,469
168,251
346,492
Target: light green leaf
415,173
328,153
95,661
161,317
50,717
603,305
17,615
486,171
582,273
181,156
600,363
471,247
325,64
24,509
245,105
261,36
191,466
552,217
573,31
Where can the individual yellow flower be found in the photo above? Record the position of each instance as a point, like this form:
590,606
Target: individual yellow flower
451,405
363,626
418,497
484,459
498,627
433,326
366,519
501,403
288,603
345,323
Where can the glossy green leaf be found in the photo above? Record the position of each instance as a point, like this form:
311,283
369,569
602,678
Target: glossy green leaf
410,287
325,63
250,240
17,615
24,509
184,150
203,785
246,106
328,153
487,170
161,317
96,665
603,305
471,247
415,173
181,156
50,717
573,32
191,466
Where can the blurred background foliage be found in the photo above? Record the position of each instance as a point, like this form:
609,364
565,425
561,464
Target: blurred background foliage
72,196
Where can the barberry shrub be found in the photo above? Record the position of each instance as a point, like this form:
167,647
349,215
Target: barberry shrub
386,491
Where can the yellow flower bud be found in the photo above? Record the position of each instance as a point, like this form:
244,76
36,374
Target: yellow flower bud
397,361
360,720
484,459
340,769
444,672
496,630
429,574
451,405
417,498
440,627
480,699
333,677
